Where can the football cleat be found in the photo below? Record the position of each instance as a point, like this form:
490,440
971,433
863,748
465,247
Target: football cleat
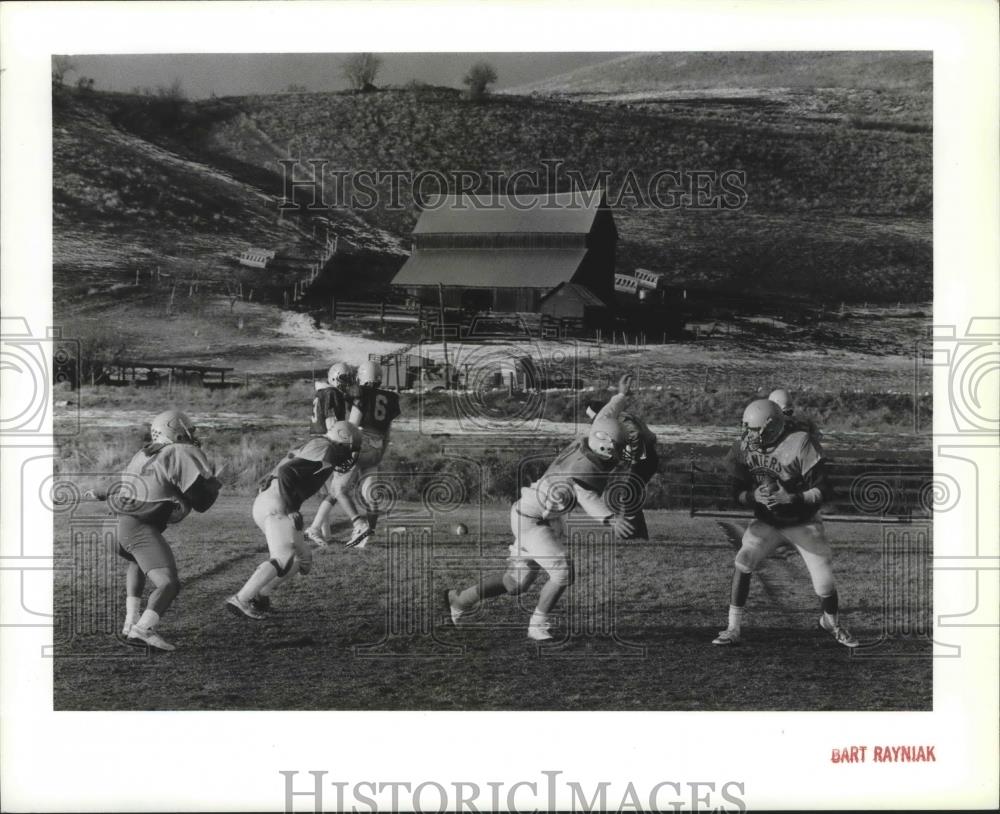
316,538
261,604
729,636
539,632
241,608
126,628
839,632
456,613
150,637
359,535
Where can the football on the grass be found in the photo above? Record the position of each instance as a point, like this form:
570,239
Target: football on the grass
461,529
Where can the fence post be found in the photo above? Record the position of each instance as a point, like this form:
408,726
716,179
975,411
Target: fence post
691,497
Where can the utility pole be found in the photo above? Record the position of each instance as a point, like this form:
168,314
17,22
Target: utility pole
444,339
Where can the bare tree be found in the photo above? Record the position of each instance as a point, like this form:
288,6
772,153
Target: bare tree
174,93
61,65
361,70
479,77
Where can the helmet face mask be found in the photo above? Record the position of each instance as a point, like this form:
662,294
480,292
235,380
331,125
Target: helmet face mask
607,439
340,375
173,427
763,425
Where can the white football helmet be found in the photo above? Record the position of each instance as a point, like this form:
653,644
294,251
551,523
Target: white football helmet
783,400
606,438
763,424
346,434
340,375
172,427
370,373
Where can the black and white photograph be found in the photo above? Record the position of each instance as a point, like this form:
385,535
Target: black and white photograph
564,390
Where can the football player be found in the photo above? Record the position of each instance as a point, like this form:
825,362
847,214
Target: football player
640,447
332,403
296,478
576,478
164,480
779,472
792,422
373,411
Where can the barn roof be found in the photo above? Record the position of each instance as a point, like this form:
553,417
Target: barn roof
491,268
558,212
575,291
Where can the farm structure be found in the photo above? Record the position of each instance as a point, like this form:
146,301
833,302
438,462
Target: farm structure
155,374
255,258
547,253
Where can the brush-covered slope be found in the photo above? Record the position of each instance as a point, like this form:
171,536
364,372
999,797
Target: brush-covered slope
833,210
837,206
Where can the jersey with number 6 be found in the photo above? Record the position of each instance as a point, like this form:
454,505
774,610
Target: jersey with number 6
378,408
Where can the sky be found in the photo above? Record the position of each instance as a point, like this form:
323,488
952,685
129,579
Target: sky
201,75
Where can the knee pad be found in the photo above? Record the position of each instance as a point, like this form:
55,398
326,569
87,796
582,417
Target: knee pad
562,573
744,561
282,570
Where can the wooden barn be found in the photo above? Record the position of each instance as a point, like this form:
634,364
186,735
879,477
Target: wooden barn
513,254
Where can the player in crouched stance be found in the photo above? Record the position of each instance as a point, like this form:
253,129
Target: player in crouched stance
577,477
779,472
162,483
298,476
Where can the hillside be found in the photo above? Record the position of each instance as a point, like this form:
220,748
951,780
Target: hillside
122,204
834,210
746,69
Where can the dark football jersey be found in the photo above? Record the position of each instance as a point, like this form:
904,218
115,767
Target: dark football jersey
328,403
795,462
303,471
378,408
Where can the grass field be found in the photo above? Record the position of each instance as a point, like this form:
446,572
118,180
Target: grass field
368,630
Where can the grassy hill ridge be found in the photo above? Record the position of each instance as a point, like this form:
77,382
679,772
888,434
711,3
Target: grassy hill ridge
877,70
